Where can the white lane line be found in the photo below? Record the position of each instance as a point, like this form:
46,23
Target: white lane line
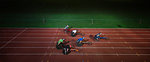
72,54
124,31
73,42
111,28
75,37
12,39
80,30
84,47
67,34
110,54
48,50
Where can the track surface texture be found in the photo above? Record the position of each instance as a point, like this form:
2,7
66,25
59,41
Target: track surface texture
38,45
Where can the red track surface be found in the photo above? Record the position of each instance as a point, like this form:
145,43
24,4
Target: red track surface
38,45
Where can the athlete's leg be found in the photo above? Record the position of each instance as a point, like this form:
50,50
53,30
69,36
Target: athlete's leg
103,37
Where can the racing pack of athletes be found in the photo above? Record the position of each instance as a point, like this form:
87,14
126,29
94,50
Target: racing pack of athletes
62,44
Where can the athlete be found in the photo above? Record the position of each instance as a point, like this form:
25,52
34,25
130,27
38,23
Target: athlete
74,33
68,49
99,36
61,43
67,26
67,29
79,41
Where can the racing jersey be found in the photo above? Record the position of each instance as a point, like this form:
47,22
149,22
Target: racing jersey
66,27
60,40
74,31
80,39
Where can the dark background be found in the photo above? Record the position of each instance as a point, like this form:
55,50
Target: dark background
21,5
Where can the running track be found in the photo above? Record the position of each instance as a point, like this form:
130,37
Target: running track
38,45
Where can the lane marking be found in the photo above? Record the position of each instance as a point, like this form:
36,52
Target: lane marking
131,47
75,42
127,42
76,37
82,30
113,48
72,54
12,39
78,28
120,36
117,54
137,54
84,47
67,34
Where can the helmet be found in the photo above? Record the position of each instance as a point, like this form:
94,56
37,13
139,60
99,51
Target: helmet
74,31
100,33
63,39
83,37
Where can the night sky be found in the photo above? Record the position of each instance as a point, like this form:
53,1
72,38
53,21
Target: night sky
143,4
56,6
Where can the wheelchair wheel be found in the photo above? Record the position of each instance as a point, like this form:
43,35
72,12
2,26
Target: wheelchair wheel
59,46
73,35
79,44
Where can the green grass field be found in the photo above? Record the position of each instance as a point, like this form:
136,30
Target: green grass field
76,16
77,20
